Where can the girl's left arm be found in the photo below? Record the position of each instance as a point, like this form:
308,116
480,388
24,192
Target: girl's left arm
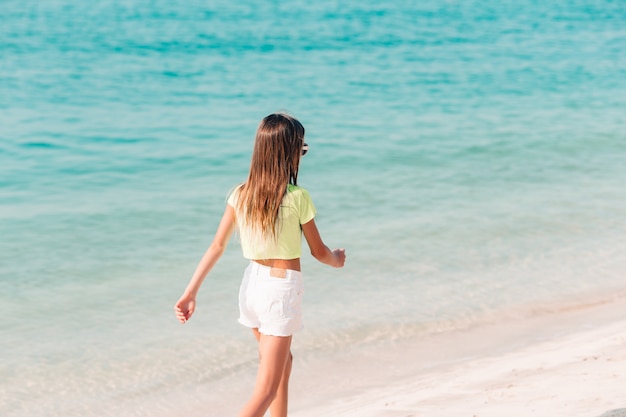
186,305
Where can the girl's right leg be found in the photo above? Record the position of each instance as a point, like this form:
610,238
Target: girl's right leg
278,407
274,361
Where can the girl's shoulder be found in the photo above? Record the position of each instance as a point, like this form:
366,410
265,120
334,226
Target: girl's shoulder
231,198
291,188
297,190
299,198
298,195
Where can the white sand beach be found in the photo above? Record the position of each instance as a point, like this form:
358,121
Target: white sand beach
569,362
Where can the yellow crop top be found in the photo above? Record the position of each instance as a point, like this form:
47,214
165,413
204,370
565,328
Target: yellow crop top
296,210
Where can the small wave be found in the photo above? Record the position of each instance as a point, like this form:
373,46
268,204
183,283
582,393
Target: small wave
42,145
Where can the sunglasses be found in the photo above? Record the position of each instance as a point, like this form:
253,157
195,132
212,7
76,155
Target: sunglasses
305,149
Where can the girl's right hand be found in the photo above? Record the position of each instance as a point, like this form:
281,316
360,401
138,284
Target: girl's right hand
185,307
340,257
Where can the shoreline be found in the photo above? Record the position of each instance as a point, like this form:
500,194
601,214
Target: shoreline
569,361
562,358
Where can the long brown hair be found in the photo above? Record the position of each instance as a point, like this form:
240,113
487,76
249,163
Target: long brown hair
274,165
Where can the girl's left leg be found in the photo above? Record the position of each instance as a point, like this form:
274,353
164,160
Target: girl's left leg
274,354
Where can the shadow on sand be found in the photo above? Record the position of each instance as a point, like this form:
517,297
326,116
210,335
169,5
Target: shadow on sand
620,412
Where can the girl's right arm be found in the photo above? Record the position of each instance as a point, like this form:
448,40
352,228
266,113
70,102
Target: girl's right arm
335,258
186,305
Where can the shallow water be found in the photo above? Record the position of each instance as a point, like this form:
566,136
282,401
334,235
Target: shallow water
469,158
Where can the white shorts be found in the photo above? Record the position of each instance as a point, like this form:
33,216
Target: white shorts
270,299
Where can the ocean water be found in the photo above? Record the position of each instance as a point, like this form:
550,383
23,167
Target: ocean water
468,155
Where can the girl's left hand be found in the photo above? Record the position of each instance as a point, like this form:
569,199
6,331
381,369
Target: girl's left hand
185,308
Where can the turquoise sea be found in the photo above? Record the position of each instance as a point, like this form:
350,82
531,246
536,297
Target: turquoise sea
469,155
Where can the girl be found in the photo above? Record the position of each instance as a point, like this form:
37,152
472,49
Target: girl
271,212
